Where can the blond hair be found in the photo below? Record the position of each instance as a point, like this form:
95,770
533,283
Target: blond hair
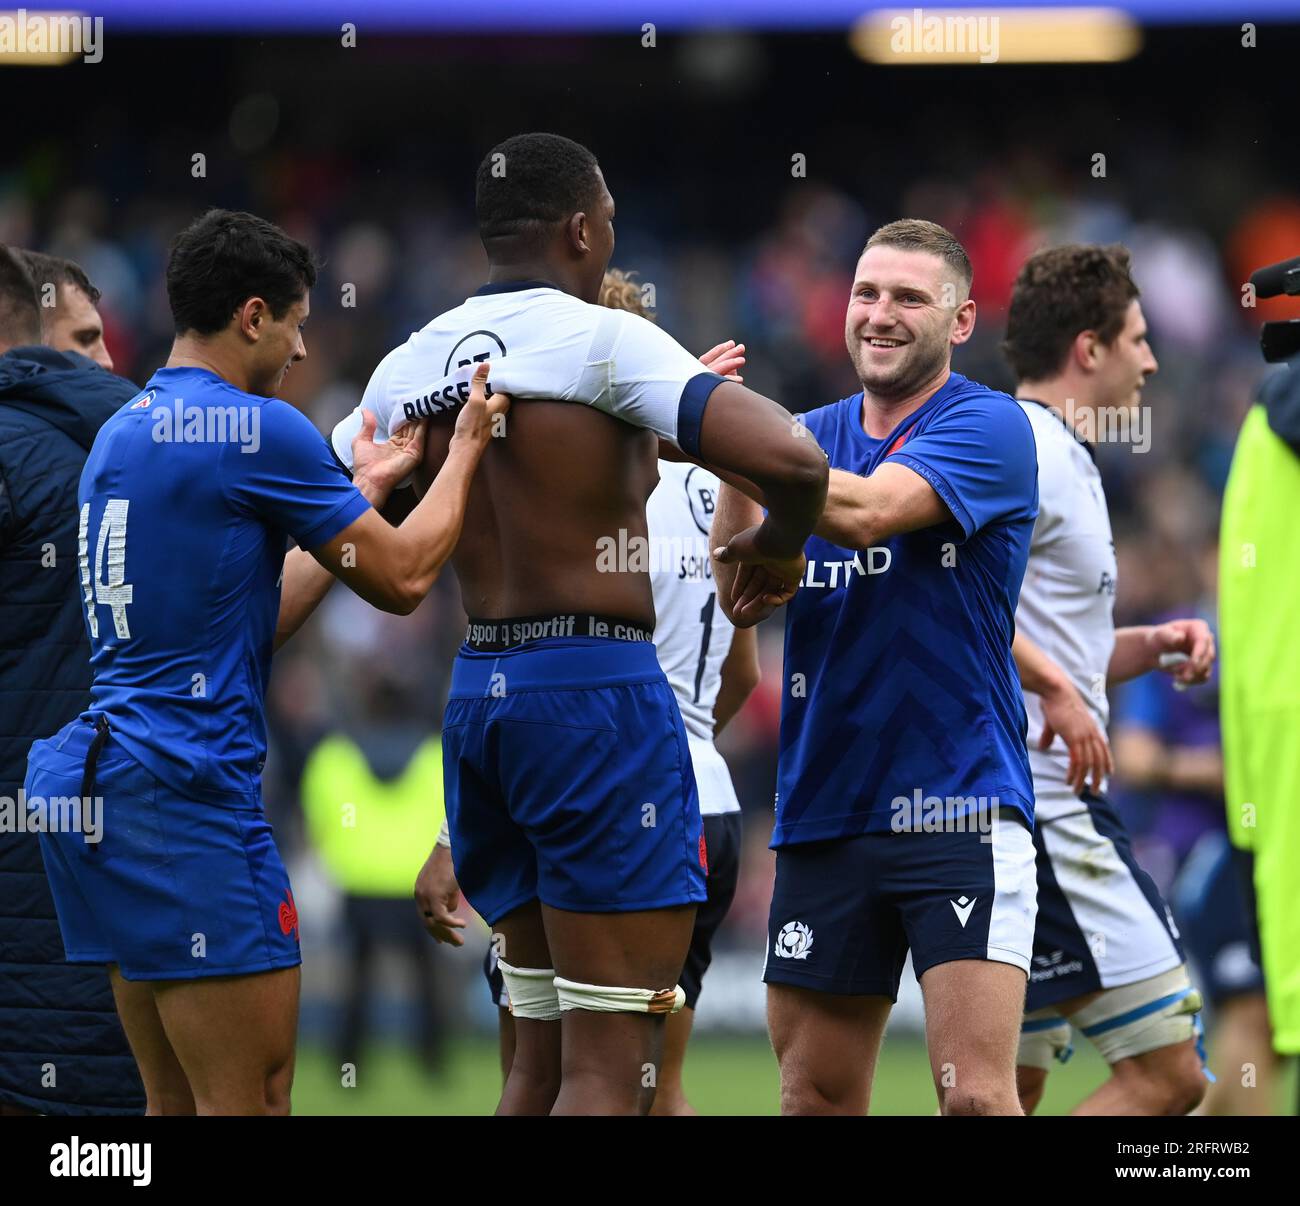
618,291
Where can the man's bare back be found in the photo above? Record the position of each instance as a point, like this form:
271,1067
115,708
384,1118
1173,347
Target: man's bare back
561,478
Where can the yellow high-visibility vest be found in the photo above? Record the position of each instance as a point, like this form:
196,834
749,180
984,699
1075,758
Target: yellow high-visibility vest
1259,697
373,836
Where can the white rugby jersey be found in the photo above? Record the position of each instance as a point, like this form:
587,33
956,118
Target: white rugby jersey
1067,601
692,635
542,343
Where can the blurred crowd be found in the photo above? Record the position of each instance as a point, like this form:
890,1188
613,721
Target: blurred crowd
399,249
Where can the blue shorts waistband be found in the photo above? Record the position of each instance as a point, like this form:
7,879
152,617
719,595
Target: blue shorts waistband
563,663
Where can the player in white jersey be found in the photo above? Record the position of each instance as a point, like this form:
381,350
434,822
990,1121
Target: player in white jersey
1107,956
712,669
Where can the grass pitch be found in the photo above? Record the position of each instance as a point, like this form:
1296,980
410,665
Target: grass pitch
724,1076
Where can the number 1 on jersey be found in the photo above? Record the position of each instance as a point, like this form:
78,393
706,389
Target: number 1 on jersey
706,618
111,590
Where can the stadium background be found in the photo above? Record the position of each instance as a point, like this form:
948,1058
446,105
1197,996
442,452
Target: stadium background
368,154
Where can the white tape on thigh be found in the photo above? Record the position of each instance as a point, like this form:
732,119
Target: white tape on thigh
1137,1018
600,998
1044,1039
531,991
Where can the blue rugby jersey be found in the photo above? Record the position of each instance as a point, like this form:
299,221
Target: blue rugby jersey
899,678
188,499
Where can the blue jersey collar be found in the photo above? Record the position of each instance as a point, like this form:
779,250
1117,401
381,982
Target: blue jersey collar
165,375
873,444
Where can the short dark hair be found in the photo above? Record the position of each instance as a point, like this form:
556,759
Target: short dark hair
221,260
55,270
1060,292
916,234
530,182
20,316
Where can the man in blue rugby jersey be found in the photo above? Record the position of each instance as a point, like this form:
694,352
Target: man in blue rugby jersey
904,799
188,500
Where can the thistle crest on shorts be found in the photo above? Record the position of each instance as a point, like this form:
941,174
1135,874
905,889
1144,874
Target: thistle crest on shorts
794,941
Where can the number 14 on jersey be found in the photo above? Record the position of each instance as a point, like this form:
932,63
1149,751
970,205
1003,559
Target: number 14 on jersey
108,584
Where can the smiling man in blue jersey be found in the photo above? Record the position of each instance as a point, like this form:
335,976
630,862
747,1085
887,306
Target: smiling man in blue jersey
904,799
187,502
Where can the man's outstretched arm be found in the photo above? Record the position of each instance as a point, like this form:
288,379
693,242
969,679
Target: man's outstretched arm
747,435
737,513
1064,713
751,442
1141,649
862,511
859,512
377,468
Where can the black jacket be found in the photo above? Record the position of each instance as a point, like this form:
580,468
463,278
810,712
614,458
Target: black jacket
1281,397
57,1020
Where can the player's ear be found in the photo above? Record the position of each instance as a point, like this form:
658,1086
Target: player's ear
963,326
578,232
1085,349
252,317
